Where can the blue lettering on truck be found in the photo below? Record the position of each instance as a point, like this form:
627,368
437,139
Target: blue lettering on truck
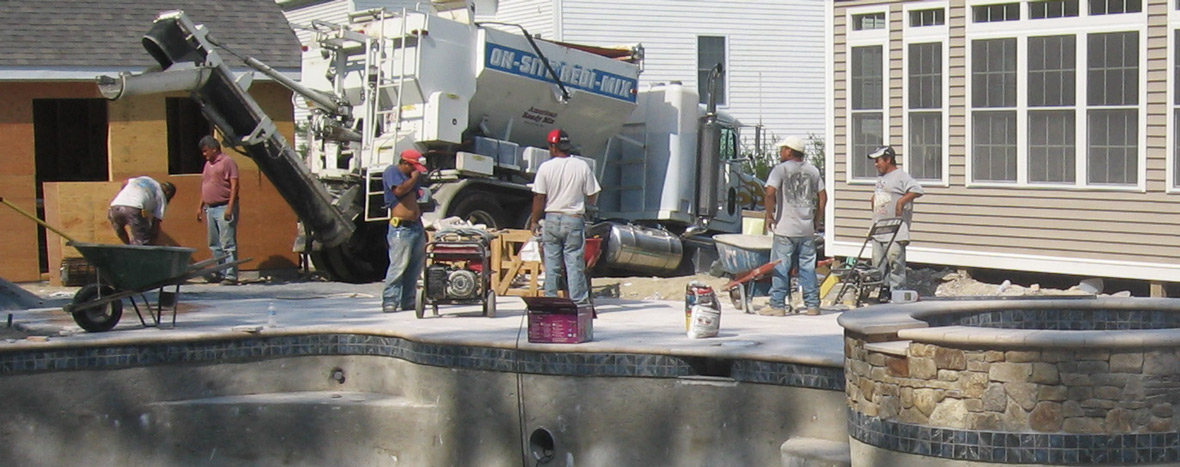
522,63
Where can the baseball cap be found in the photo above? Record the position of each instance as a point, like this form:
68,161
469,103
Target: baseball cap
882,151
793,142
560,138
414,158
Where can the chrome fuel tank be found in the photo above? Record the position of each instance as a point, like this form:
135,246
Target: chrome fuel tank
641,249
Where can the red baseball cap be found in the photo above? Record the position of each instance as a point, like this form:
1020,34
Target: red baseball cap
414,158
560,138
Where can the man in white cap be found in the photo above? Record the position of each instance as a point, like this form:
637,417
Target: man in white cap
894,197
791,202
406,237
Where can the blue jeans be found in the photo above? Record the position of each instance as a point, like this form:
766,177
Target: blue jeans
793,251
564,242
223,236
407,257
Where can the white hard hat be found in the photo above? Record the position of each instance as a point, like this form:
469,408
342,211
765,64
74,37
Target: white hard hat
793,142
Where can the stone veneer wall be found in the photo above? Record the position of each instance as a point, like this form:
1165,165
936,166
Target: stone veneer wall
1080,391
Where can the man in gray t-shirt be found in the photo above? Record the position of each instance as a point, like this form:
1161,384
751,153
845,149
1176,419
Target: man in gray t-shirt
794,217
893,197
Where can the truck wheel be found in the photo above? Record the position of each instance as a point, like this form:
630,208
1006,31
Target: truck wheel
362,259
97,318
481,208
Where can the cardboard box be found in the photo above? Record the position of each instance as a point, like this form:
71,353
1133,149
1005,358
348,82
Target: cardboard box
555,320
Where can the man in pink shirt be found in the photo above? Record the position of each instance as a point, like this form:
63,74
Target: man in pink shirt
219,204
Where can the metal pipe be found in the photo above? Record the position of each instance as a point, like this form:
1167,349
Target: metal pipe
170,80
316,96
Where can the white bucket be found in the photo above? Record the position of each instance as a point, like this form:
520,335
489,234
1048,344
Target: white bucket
706,321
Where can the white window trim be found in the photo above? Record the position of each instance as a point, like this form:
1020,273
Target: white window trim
919,35
1170,141
1080,26
864,38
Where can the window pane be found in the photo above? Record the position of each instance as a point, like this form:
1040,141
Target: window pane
1113,146
1176,148
1051,147
1113,70
934,17
994,13
994,146
1111,7
710,52
867,78
1051,71
868,21
925,145
993,73
867,135
1053,9
925,88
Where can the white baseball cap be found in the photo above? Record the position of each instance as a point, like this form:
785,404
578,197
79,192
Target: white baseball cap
793,142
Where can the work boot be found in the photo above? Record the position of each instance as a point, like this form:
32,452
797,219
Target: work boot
813,311
769,310
388,308
229,281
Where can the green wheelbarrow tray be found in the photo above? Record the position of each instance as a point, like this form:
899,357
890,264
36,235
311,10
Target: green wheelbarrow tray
136,267
129,270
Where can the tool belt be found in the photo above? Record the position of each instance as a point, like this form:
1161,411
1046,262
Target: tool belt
397,222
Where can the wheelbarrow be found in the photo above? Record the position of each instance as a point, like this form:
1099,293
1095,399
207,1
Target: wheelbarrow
130,271
127,271
747,258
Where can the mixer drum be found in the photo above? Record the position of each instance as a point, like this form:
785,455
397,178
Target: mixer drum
642,249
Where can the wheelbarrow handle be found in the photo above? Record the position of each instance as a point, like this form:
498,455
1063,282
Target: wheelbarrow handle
35,219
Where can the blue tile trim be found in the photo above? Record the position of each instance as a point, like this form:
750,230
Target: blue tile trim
1061,320
1014,448
453,356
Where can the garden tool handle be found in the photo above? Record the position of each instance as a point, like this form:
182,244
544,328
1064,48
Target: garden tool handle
35,219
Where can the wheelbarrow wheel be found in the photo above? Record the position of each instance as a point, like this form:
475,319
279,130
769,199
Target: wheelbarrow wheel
489,305
99,318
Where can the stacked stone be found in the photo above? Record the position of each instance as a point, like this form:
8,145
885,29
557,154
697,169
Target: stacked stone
1079,391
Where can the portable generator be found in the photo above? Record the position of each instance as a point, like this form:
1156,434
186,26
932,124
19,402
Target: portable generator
458,271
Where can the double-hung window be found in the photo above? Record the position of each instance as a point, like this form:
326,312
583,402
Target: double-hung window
867,47
925,93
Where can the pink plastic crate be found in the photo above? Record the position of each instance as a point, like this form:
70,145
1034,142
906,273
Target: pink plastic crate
558,321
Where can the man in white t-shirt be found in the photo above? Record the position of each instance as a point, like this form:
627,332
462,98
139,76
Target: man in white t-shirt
139,207
563,187
795,201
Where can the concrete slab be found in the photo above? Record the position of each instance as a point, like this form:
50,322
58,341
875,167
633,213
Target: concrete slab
622,326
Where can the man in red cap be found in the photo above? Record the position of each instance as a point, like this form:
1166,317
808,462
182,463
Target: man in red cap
406,237
563,187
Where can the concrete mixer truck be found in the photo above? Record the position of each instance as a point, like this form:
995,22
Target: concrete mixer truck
478,102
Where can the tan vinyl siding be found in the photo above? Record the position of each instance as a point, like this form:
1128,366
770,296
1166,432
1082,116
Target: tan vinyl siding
1089,225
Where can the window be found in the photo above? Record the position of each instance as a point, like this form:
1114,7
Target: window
1176,110
1113,99
924,145
995,13
1053,9
1113,7
867,104
993,84
186,127
868,21
710,53
932,17
1052,78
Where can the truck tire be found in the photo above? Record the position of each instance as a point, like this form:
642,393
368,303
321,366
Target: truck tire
361,260
481,207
